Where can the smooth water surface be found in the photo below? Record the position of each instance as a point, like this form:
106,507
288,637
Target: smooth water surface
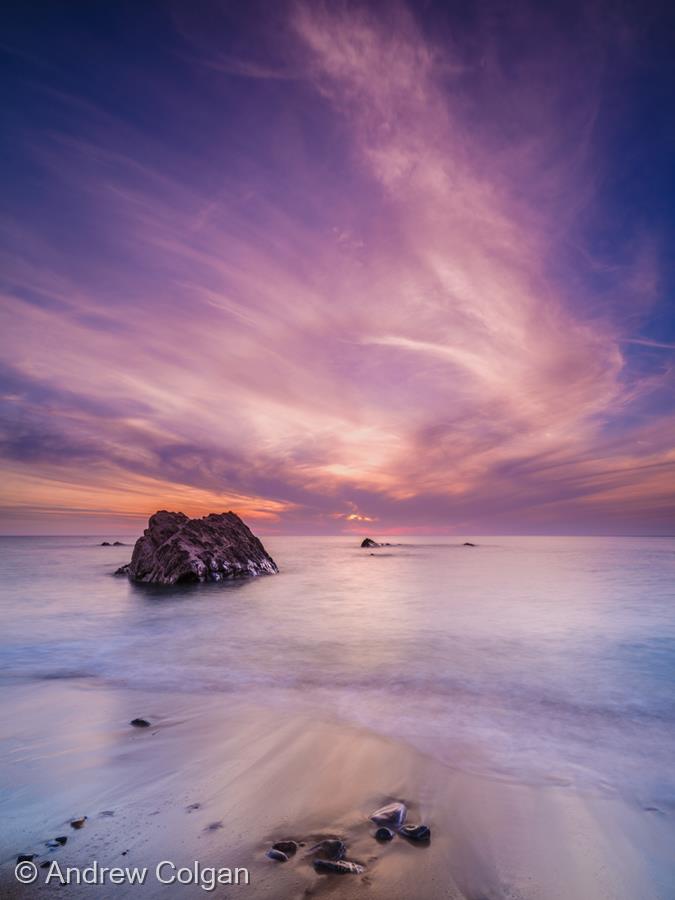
539,659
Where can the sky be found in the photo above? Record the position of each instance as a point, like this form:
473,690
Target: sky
367,268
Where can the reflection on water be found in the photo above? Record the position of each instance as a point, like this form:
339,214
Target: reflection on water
535,658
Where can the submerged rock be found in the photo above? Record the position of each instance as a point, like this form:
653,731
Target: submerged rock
140,723
369,542
417,833
392,815
468,544
176,549
338,866
105,544
118,544
277,855
25,857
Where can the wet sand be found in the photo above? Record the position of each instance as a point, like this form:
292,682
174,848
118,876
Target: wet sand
217,780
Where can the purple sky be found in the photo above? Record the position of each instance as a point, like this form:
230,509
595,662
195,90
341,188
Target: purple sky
339,268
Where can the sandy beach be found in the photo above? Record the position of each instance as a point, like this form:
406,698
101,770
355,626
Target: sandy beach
217,781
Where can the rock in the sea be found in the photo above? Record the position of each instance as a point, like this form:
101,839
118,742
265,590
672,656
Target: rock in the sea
384,834
123,570
56,842
287,847
25,857
369,542
417,833
105,544
118,544
140,723
338,866
392,815
333,848
78,823
277,855
175,549
468,544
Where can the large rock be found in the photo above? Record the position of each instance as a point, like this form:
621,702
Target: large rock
175,548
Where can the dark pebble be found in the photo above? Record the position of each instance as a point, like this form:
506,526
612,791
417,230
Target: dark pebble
78,823
384,834
287,847
392,815
277,855
416,832
25,857
140,723
338,866
333,848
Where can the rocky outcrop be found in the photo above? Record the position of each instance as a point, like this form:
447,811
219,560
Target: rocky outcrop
369,542
176,549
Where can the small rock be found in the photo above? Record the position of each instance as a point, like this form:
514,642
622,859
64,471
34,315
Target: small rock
277,855
123,570
56,842
338,866
118,544
78,823
287,847
25,857
105,544
333,848
468,544
384,834
140,723
393,815
417,833
369,542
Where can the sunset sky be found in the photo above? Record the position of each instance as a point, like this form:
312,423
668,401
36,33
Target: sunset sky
340,267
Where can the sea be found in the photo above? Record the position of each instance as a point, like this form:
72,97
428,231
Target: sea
537,659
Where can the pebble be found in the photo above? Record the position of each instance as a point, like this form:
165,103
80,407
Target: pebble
392,815
277,855
384,834
25,857
140,723
78,823
333,848
287,847
56,842
416,832
338,866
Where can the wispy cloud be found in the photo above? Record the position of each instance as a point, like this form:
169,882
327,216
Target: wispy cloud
351,304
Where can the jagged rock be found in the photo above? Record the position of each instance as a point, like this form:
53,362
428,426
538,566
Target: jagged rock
369,542
338,866
176,549
393,815
123,570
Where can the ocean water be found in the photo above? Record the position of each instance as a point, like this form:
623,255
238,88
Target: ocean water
537,659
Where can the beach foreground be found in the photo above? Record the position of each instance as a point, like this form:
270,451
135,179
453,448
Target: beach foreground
216,780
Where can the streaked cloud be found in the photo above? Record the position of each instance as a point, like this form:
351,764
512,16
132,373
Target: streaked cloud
354,303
